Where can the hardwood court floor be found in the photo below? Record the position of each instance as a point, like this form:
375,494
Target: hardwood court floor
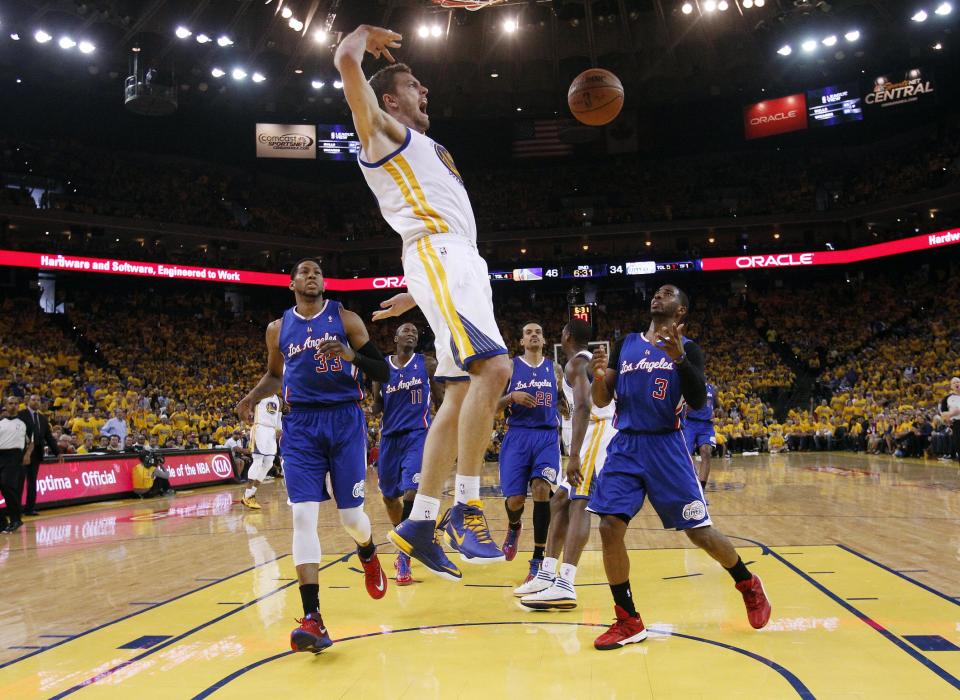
195,597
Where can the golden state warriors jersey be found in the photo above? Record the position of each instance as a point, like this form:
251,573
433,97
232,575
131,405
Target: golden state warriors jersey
596,413
420,190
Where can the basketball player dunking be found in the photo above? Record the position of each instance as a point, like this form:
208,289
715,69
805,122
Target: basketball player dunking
591,432
653,375
316,353
530,453
404,400
422,197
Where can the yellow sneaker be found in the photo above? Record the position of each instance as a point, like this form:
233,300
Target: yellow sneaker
251,503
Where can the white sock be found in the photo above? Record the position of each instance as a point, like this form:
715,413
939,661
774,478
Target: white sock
425,508
568,572
549,566
467,489
249,492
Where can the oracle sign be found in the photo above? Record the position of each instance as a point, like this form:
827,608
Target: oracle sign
89,478
785,260
777,116
389,282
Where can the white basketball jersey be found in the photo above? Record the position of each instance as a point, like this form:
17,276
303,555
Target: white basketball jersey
267,413
420,190
605,413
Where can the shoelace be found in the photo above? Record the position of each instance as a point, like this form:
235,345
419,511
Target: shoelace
474,520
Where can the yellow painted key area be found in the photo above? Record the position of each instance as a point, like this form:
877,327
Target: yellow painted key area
194,597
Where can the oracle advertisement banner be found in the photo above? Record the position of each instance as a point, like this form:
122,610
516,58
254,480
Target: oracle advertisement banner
777,116
92,478
926,241
77,263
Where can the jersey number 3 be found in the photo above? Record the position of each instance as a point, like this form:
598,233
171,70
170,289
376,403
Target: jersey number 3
323,366
661,392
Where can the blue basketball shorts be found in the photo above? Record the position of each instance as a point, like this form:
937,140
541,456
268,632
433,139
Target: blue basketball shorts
398,466
326,440
527,454
658,466
698,433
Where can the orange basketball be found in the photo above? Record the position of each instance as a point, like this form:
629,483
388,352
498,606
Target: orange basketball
595,97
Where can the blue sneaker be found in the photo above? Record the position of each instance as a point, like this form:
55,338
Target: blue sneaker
465,529
420,539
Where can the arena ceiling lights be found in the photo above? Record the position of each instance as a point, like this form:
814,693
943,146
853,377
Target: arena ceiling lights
709,7
65,42
941,10
810,44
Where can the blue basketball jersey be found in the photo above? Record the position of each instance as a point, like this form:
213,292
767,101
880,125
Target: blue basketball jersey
648,393
406,397
704,414
310,377
541,383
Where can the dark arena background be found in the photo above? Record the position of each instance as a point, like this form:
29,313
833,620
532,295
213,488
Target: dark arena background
792,165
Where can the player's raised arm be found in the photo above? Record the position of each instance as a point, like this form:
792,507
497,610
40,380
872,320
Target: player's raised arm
271,381
368,116
604,373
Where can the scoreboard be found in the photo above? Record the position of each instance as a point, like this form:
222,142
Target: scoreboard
583,312
337,142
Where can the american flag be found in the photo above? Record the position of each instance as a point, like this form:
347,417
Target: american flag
540,139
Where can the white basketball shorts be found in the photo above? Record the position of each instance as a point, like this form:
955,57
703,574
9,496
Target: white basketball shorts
449,281
593,453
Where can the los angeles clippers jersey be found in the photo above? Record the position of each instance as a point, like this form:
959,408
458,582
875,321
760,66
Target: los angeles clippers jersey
605,413
267,413
541,383
648,393
420,191
310,377
406,397
704,414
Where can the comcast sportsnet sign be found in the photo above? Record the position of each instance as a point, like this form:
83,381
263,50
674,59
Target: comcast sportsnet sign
913,244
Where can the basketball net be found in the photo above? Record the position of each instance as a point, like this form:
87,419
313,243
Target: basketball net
471,5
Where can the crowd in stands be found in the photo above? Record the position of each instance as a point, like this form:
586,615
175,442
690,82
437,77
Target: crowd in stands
577,193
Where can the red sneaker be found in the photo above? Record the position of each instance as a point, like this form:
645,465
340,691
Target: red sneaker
626,630
754,597
311,635
511,542
402,565
374,577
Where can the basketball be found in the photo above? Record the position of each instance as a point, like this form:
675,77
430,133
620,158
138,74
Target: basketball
595,97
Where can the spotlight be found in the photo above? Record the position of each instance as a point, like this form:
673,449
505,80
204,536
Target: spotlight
830,40
686,8
258,77
494,75
286,13
722,5
295,24
41,36
202,38
809,45
785,50
316,84
938,46
224,41
747,4
66,43
337,85
710,6
183,33
919,16
15,36
217,73
852,35
320,36
424,31
239,74
943,9
435,31
298,71
510,25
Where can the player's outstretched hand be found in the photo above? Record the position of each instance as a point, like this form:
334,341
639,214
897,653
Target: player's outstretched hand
670,340
395,306
574,474
524,399
245,409
380,41
334,348
598,363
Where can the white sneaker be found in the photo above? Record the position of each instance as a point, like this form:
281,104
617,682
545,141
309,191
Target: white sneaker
560,596
541,582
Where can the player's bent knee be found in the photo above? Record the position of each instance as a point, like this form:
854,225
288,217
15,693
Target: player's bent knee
306,541
356,523
612,528
700,536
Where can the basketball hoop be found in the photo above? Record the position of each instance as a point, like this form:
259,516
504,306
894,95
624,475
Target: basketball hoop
471,5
